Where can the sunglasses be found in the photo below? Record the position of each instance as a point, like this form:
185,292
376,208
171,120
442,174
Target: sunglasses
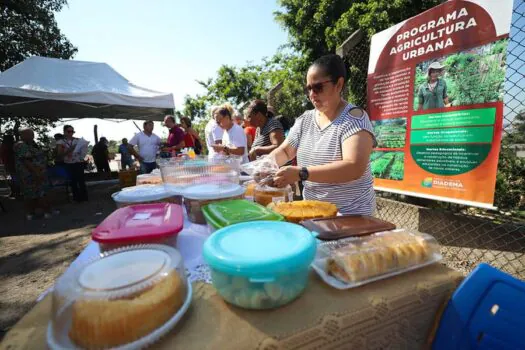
70,131
317,87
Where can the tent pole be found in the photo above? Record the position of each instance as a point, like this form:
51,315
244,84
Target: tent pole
95,132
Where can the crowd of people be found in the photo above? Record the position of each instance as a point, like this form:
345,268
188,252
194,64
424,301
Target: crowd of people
327,150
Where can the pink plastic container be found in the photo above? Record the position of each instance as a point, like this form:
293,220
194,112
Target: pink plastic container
157,223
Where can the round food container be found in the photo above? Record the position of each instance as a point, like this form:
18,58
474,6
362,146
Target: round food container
265,195
142,194
156,223
128,297
260,264
197,196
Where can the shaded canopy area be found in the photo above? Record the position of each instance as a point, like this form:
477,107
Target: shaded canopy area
56,88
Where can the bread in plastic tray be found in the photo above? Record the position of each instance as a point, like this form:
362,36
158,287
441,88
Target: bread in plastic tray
356,261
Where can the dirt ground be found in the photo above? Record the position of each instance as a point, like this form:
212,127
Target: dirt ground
34,253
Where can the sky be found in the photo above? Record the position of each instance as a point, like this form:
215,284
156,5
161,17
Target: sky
167,45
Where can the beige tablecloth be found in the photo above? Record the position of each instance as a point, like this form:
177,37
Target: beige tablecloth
396,313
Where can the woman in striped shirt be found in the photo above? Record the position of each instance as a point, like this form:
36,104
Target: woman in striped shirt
270,132
332,143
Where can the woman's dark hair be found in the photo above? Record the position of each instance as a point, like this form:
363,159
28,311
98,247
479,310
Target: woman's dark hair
186,121
8,139
67,126
285,122
332,65
225,112
258,106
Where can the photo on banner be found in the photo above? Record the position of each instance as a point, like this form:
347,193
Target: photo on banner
435,97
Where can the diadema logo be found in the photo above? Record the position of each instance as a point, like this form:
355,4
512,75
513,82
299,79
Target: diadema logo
430,182
427,182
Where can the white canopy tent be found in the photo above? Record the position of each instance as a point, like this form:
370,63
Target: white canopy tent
57,88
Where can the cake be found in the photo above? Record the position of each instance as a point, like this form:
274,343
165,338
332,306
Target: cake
378,255
108,323
304,210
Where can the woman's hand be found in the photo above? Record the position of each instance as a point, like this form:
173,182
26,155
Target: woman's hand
253,154
218,148
286,176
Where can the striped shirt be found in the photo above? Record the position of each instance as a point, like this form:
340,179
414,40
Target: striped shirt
262,135
317,147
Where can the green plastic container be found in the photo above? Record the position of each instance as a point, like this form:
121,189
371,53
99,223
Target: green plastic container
222,214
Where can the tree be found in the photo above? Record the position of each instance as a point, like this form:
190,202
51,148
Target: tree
317,28
28,28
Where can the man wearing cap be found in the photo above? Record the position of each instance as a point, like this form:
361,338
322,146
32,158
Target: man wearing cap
433,93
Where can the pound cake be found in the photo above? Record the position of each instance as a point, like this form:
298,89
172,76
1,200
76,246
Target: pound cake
108,323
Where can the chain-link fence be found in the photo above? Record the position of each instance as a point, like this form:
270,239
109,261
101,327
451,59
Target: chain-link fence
468,236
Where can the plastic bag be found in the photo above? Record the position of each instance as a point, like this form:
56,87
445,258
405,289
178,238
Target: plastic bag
262,170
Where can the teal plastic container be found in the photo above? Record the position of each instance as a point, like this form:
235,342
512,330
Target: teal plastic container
260,264
226,213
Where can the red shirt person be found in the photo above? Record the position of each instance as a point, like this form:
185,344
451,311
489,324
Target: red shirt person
175,140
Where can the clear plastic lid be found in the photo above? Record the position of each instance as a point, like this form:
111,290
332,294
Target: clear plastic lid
212,191
265,195
149,179
146,193
200,170
139,223
118,298
355,261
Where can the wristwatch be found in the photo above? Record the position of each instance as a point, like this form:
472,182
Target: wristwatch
303,174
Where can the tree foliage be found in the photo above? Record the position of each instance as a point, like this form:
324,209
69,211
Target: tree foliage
318,27
28,28
239,85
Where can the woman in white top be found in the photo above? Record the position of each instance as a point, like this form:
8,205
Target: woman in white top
234,140
332,143
213,132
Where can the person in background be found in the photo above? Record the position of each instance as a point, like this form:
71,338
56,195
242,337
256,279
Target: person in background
191,137
148,144
233,140
238,119
100,155
7,158
433,93
332,142
285,122
213,133
175,140
59,159
270,132
125,155
249,131
31,165
75,164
